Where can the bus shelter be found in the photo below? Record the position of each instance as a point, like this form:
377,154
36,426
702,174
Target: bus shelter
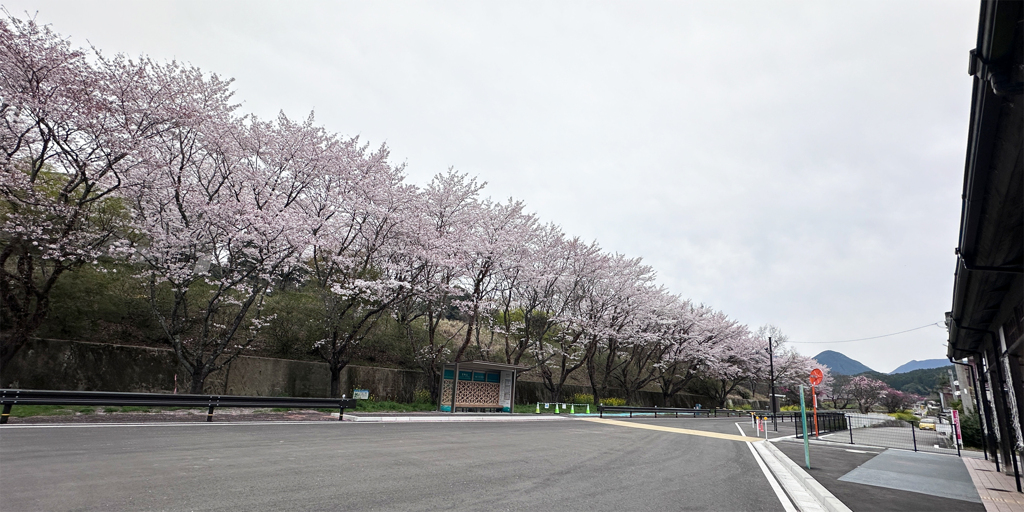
481,386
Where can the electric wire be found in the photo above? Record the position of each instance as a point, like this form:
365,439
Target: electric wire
934,324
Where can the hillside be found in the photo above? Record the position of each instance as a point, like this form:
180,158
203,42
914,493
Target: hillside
840,364
920,382
920,365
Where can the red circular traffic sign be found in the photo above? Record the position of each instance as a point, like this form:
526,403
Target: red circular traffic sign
816,376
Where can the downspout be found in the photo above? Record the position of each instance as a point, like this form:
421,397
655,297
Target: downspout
977,401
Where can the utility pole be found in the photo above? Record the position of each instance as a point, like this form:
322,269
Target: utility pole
771,377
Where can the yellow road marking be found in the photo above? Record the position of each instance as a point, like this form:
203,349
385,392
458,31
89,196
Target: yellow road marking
716,435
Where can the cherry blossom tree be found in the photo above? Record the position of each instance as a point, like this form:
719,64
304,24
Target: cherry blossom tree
620,296
360,265
866,392
839,392
531,293
220,212
692,338
491,244
644,344
735,357
557,309
441,213
895,401
76,127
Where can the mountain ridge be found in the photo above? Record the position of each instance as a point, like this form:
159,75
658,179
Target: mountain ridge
841,364
925,364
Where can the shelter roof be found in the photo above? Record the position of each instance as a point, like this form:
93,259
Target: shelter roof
487,365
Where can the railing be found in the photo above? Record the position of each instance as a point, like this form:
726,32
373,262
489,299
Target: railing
601,409
827,422
12,397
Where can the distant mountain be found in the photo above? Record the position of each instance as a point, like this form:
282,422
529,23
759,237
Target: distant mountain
840,364
922,382
921,365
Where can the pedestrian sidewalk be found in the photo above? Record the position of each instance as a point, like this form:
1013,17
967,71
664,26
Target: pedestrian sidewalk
430,417
998,491
873,479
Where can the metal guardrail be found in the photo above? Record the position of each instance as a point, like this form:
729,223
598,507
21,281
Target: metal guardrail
601,409
12,397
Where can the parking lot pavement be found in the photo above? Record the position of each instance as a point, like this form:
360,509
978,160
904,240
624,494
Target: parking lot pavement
890,478
560,465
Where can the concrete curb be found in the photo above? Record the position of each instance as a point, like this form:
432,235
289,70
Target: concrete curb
805,492
448,418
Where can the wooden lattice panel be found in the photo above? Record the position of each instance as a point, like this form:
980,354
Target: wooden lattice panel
446,392
470,394
477,393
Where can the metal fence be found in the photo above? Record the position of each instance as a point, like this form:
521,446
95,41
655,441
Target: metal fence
887,432
667,411
11,397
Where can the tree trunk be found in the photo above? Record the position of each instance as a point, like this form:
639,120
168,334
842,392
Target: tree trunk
199,375
336,380
9,346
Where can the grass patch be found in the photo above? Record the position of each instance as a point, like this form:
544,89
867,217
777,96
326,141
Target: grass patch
532,409
388,406
143,408
26,411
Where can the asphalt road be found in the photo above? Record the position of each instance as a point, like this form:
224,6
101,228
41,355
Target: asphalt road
551,465
556,465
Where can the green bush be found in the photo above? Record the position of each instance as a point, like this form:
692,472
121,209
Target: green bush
614,402
421,396
744,407
583,398
905,416
970,429
789,408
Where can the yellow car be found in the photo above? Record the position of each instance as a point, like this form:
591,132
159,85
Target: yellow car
927,424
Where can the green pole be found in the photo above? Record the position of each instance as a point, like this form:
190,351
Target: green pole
803,421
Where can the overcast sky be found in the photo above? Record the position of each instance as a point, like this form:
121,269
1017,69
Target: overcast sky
793,163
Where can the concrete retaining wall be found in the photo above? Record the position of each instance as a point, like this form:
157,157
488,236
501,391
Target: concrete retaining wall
82,366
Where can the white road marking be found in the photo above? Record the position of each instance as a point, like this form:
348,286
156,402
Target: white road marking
779,493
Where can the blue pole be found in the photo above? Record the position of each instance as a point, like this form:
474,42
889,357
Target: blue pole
803,420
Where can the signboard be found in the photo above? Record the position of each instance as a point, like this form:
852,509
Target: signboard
505,393
361,394
956,427
816,377
465,375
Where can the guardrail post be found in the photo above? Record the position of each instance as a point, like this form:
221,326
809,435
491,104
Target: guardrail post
6,413
913,435
209,414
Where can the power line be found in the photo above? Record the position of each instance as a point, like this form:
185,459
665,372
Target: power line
935,324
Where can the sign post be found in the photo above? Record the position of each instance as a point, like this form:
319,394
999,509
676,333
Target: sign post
816,377
803,423
956,430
